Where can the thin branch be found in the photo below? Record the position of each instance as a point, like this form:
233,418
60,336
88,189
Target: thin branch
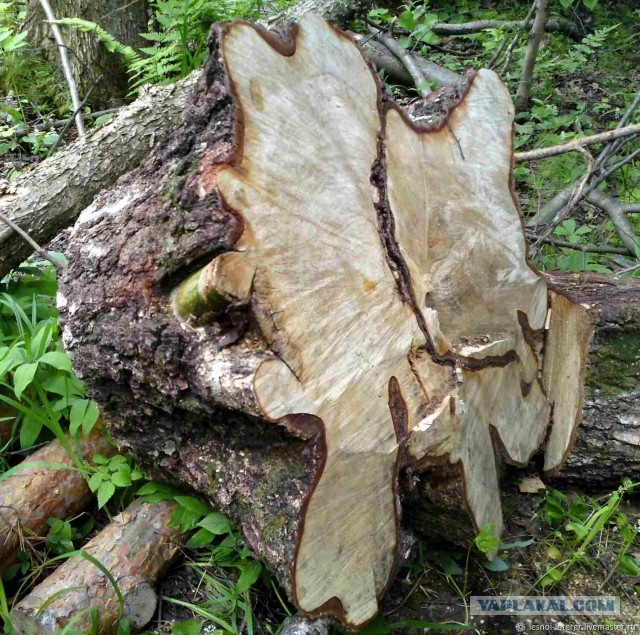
576,144
616,166
561,25
611,149
596,249
66,127
516,38
66,66
32,243
406,58
496,55
61,123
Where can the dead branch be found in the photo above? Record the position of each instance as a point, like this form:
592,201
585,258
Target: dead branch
32,243
30,497
516,38
136,548
553,24
380,56
575,144
596,249
419,79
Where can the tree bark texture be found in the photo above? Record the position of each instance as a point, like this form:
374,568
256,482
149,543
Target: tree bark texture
29,498
89,58
47,199
291,330
606,447
136,548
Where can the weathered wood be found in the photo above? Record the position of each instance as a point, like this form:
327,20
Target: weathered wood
33,495
380,310
136,548
608,437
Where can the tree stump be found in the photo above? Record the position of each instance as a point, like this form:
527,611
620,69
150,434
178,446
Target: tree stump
305,290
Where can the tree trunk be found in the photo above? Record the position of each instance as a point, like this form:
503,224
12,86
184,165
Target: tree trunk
608,437
89,58
365,307
136,548
29,498
523,94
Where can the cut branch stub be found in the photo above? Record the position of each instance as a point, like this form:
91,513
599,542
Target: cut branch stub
317,237
372,295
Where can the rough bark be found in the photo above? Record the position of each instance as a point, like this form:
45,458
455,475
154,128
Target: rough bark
47,199
608,437
334,357
136,548
29,498
89,58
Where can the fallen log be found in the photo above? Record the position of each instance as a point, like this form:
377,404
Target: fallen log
136,548
366,308
604,313
47,199
32,496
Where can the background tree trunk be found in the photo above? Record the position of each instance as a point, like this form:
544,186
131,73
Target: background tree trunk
89,58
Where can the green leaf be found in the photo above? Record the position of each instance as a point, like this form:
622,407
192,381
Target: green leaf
578,528
121,479
57,359
216,523
22,377
496,565
29,431
102,119
91,417
190,627
628,565
95,481
590,4
249,576
201,538
193,504
76,415
63,385
505,546
553,553
407,20
100,459
105,492
486,540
